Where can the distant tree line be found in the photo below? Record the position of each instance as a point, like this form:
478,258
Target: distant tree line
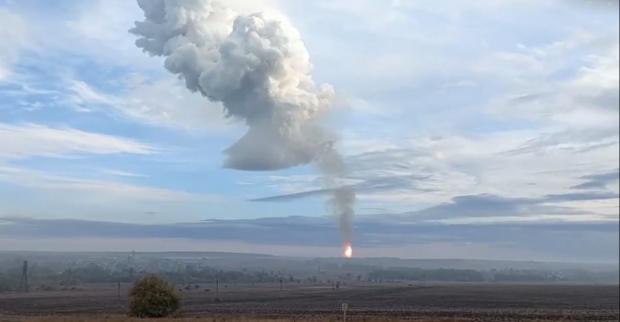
42,278
193,274
506,275
418,274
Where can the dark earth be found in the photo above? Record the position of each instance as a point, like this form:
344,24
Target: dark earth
482,302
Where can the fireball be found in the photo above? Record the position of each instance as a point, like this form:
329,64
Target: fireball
348,251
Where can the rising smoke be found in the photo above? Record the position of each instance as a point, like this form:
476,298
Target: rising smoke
258,67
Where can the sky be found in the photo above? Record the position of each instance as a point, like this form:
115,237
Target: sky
478,129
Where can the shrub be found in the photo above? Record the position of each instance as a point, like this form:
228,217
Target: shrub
152,297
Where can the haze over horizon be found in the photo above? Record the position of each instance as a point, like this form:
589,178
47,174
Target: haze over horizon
484,130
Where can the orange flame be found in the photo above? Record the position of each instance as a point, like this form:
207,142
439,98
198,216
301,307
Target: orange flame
348,251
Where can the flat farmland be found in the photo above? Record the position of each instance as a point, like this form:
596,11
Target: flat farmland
449,302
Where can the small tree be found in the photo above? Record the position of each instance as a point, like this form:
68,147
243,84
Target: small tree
152,297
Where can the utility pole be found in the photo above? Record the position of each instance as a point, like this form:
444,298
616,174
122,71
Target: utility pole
23,284
131,262
345,307
217,290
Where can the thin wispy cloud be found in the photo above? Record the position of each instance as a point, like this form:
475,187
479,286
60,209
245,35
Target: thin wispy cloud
28,140
13,39
598,181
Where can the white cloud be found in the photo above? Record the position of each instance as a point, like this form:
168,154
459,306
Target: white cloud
99,30
428,170
587,100
97,194
120,173
165,102
558,83
45,195
571,121
95,191
24,141
13,37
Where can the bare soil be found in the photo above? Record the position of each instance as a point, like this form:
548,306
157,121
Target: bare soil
456,302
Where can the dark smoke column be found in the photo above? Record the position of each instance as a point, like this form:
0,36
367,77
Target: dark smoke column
258,67
343,196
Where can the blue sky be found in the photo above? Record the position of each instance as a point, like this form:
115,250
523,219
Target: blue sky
482,115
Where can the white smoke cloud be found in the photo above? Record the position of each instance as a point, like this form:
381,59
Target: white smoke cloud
258,67
255,64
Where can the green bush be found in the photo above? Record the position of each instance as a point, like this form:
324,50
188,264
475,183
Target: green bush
152,297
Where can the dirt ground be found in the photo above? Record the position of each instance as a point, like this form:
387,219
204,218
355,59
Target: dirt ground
458,302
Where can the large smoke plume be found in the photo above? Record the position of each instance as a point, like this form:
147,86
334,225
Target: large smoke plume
258,67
